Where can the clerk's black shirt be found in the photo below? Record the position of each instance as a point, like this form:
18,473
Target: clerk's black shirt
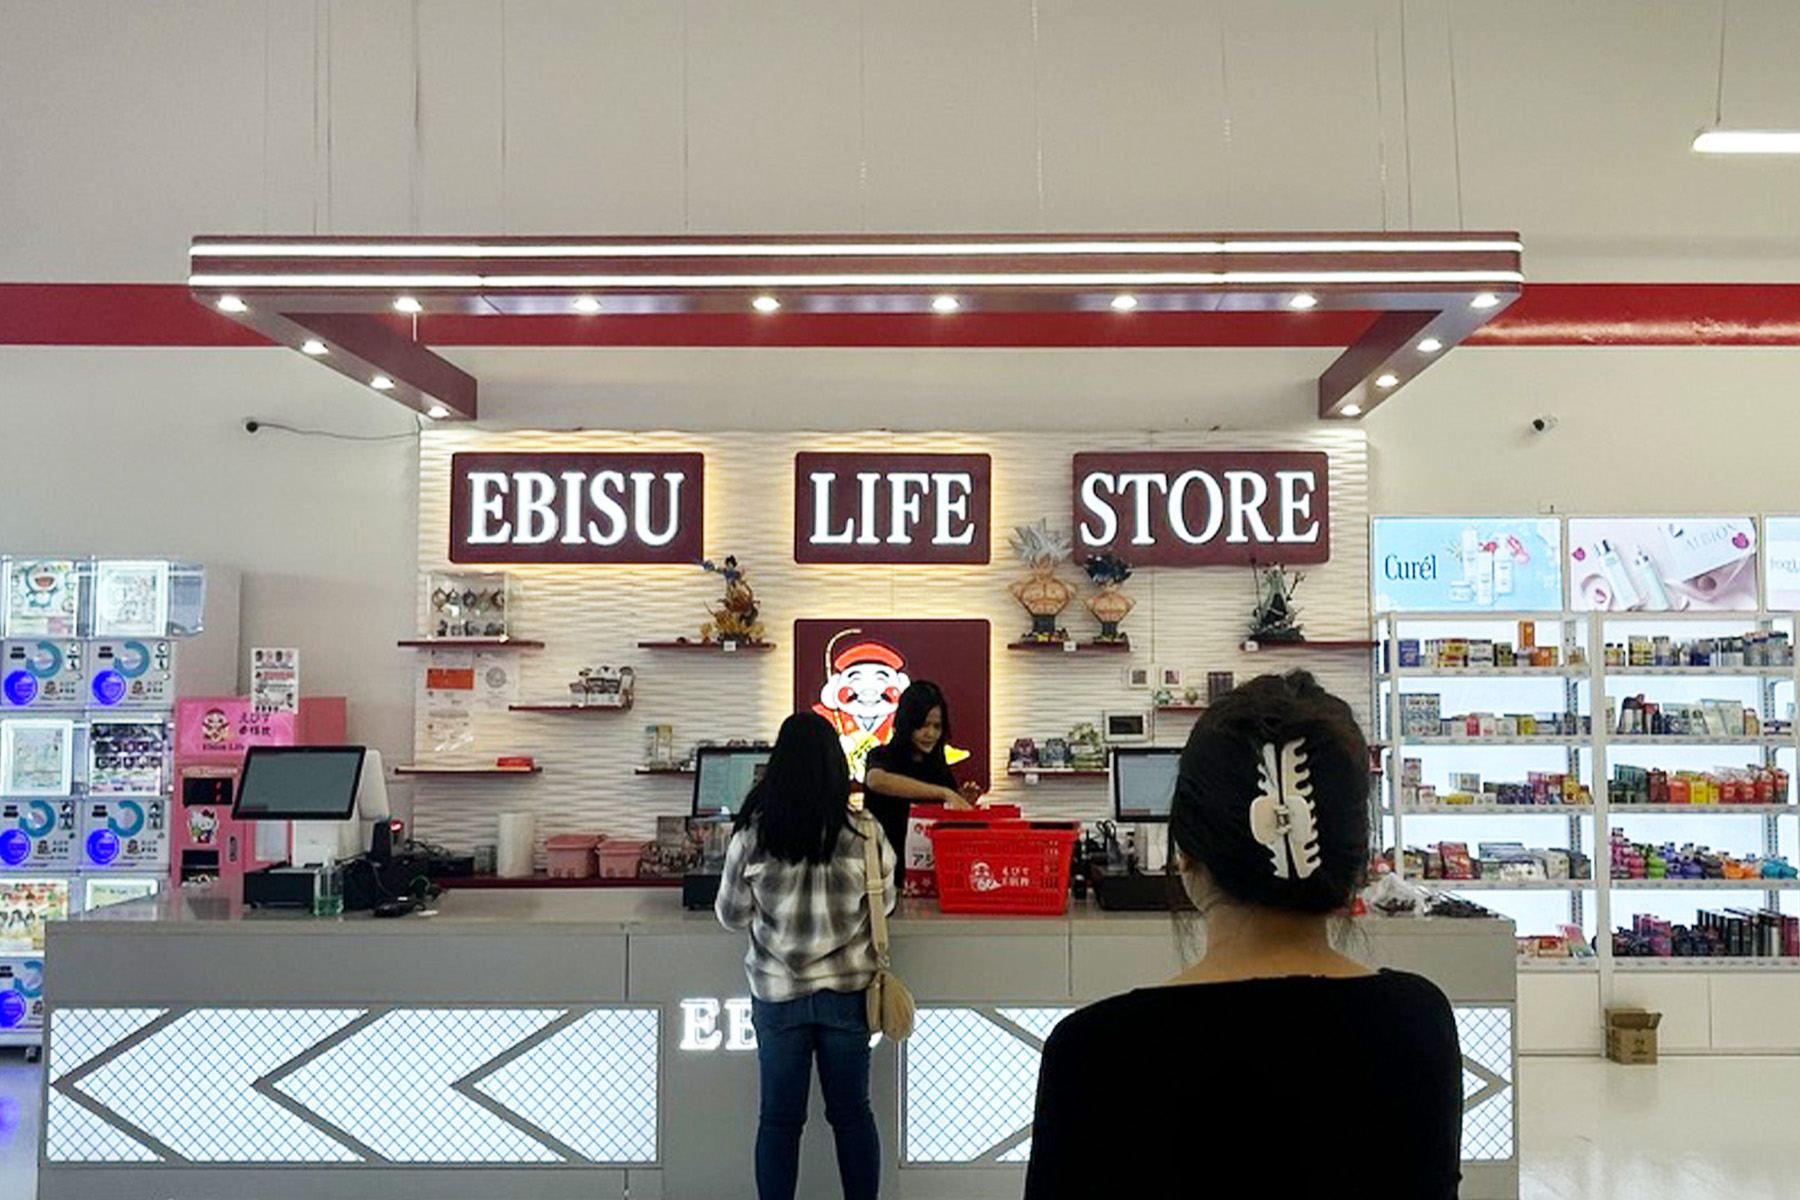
893,811
1298,1086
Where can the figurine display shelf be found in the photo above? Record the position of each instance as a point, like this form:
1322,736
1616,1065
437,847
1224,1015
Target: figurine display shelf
1041,593
735,617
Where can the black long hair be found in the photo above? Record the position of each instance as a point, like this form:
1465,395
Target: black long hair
802,802
1221,775
916,703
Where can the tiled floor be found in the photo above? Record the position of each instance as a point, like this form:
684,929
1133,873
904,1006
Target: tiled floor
1689,1129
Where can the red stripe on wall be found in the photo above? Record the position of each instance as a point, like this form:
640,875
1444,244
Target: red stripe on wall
1547,314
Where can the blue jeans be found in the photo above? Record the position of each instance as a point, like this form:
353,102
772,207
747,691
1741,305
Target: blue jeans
834,1026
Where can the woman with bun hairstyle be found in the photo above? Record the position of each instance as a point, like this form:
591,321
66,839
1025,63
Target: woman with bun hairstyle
1274,1059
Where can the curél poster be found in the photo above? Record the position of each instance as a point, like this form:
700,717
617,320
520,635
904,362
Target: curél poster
1466,564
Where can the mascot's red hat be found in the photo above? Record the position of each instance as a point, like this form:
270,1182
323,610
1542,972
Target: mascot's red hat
864,652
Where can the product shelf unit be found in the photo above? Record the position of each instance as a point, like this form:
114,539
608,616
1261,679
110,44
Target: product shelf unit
1498,810
710,647
569,708
1706,885
479,643
1719,963
1574,965
1704,810
469,772
1069,646
1484,672
1505,885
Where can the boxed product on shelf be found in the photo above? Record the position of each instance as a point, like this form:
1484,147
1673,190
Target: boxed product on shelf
1641,860
1733,933
1419,714
1723,786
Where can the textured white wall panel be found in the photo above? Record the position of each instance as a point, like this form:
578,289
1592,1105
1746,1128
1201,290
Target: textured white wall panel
1193,619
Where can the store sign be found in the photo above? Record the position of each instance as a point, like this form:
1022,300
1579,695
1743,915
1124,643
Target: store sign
891,508
708,1025
1203,509
577,508
1466,564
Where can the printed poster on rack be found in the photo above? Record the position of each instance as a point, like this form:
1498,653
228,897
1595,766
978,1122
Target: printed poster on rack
43,597
275,679
1466,564
1781,563
1672,564
227,728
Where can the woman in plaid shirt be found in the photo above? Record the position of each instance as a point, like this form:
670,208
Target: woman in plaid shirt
795,879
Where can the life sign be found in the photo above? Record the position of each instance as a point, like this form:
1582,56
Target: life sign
892,508
1203,509
589,507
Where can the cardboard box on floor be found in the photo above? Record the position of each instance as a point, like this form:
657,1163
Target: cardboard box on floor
1631,1036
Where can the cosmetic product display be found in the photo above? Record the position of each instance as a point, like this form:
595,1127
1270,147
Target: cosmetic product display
1722,786
1538,788
1503,861
1568,942
1733,933
1762,648
1639,717
1457,654
1639,860
1420,717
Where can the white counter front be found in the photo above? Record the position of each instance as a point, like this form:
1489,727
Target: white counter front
558,1044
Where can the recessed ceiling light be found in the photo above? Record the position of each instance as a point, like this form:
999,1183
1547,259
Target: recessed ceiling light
382,383
1484,300
766,304
407,304
1303,301
1430,346
232,304
1124,303
314,347
1353,410
437,412
1748,141
586,304
945,304
1386,381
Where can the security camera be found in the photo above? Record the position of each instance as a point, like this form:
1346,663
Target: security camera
1543,424
251,425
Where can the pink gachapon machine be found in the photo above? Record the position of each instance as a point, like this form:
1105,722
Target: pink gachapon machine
211,736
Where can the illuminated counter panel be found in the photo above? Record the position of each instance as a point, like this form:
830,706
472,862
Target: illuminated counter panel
554,1044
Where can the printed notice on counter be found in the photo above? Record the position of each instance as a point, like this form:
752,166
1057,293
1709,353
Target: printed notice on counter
275,679
1466,564
1673,564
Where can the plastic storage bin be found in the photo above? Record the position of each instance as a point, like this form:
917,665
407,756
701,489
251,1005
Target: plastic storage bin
1018,868
919,857
571,855
618,858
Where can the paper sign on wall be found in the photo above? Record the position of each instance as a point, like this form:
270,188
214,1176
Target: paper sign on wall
275,679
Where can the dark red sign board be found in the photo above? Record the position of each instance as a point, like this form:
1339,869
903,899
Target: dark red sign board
892,508
590,507
1210,508
852,673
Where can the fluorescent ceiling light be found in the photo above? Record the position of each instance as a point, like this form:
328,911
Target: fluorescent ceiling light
945,304
765,304
586,304
1386,381
1303,301
407,304
232,304
1748,141
1430,346
314,347
1353,410
437,412
1124,303
1484,300
382,383
699,282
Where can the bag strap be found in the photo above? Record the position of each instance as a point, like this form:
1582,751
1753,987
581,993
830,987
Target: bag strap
873,888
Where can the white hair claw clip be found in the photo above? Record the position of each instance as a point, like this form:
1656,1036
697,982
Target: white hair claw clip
1281,817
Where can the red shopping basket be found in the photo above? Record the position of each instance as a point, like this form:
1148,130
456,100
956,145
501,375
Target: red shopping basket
1018,868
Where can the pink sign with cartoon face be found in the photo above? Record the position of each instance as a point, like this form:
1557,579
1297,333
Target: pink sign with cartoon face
225,728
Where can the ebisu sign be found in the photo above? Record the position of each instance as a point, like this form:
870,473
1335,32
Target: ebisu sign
1204,508
892,508
587,507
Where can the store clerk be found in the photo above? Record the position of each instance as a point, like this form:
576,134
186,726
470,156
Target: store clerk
912,767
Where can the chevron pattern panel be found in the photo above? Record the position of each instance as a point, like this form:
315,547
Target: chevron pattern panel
1192,619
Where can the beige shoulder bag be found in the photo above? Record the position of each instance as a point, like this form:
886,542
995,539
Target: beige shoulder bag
890,1004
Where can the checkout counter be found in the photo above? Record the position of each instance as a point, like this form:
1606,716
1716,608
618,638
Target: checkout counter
548,1044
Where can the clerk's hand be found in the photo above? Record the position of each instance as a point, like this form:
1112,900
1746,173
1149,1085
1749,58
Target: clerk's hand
955,799
970,794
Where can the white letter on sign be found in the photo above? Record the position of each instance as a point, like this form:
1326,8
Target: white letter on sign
537,514
487,502
1245,509
953,490
737,1020
598,489
821,532
1143,482
1090,500
1215,507
571,508
700,1025
642,480
904,507
1295,503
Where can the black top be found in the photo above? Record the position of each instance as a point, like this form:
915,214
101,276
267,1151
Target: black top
1312,1086
892,811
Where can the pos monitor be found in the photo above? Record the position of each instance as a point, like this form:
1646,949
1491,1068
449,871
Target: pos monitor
299,783
724,775
1143,783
